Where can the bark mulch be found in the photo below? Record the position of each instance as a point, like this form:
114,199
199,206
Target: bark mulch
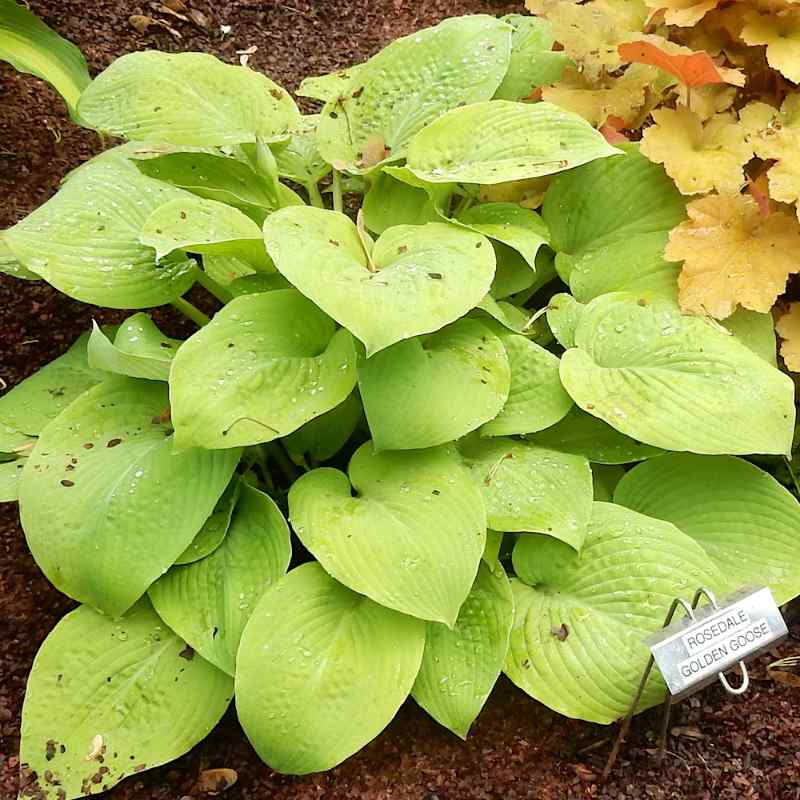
723,748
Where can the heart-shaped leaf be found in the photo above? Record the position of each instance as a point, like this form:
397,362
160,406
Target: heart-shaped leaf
266,364
460,666
416,280
411,538
85,240
186,98
106,700
391,201
499,140
433,389
528,488
215,528
139,349
389,99
577,642
563,314
676,381
740,515
327,87
311,654
105,504
209,602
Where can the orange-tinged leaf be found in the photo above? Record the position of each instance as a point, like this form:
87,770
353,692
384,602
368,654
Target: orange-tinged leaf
732,255
699,157
613,135
690,68
788,328
781,34
683,12
759,191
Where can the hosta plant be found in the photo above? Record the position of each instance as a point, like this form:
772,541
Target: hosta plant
463,428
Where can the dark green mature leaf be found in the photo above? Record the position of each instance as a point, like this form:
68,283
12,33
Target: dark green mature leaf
105,504
186,98
408,84
108,699
265,365
321,671
31,46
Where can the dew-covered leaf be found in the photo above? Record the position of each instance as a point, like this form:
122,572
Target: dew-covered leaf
105,504
327,87
500,140
186,98
416,279
408,84
460,666
563,314
434,389
321,671
576,645
10,265
106,700
676,381
740,515
208,602
531,489
412,537
215,528
265,365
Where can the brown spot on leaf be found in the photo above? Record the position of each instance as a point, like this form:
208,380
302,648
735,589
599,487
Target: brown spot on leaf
561,632
187,653
113,442
67,483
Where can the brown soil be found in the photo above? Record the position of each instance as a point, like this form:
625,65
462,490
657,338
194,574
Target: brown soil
724,748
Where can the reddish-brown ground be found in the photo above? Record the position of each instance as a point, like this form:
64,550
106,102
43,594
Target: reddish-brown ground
726,748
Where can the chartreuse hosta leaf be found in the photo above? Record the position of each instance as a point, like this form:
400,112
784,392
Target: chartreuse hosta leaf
215,528
410,539
391,201
15,447
139,349
563,314
209,601
105,503
416,280
327,87
186,98
31,46
460,666
85,240
754,330
106,700
536,398
9,264
584,435
533,61
204,226
300,160
500,140
742,517
433,389
266,364
507,314
609,222
39,399
531,489
407,85
580,619
214,176
676,381
321,671
605,478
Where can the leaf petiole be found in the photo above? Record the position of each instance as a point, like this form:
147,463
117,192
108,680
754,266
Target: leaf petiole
190,311
212,287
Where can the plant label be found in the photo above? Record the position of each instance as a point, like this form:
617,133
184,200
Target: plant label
691,653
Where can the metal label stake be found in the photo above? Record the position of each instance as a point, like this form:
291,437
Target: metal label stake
698,649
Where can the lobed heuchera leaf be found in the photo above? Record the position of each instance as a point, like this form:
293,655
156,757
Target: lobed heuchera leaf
417,278
788,327
460,666
85,239
433,389
747,523
105,504
412,536
139,349
265,365
311,654
108,699
576,645
408,84
684,13
500,140
186,98
780,33
675,381
531,489
209,601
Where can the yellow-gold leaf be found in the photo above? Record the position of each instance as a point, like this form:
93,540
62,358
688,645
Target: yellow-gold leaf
780,32
788,328
683,12
732,255
699,157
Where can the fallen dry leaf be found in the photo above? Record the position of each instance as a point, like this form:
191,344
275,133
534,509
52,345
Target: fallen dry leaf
216,781
202,21
733,255
141,22
788,328
175,5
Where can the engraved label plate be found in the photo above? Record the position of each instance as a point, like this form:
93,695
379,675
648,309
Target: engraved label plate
691,654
